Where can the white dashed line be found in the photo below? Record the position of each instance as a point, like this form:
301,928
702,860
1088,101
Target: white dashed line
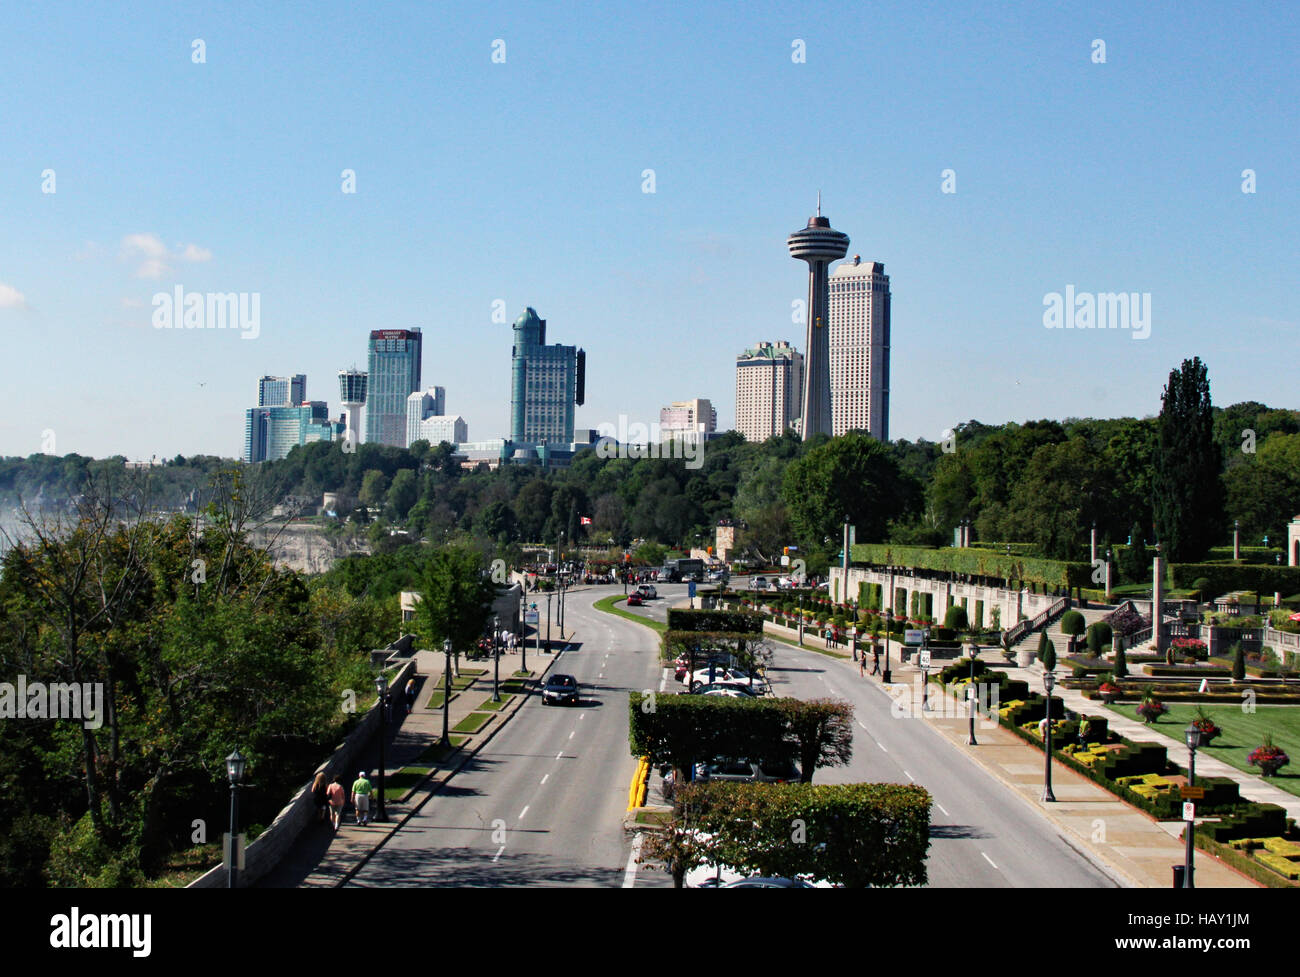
560,754
882,746
940,807
909,776
544,779
989,860
522,813
498,854
862,724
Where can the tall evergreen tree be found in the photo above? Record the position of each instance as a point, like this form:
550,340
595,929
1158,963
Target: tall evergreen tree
1188,503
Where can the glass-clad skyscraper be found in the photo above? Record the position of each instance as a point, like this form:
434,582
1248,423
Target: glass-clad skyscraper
394,374
270,433
546,383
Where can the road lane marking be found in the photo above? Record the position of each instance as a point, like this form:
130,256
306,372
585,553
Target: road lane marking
544,779
498,854
989,860
882,746
582,715
909,776
560,754
940,807
522,813
629,876
571,734
862,724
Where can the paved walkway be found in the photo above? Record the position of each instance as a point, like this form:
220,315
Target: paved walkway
322,857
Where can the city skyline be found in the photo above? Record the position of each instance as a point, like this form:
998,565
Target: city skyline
981,213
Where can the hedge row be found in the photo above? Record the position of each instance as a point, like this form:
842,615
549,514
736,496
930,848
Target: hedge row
1243,863
986,563
714,620
856,835
1225,578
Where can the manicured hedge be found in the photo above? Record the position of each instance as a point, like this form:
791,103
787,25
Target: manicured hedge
681,729
856,835
987,563
1225,578
1243,863
1250,820
680,619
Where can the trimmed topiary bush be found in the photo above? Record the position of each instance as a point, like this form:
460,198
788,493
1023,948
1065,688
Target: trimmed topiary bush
955,618
1073,623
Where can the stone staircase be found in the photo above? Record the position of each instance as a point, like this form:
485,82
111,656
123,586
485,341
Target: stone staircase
1062,640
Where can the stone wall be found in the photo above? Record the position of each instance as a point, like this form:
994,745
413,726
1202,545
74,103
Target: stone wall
1013,604
262,855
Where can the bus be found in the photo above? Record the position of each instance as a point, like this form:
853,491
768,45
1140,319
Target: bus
680,571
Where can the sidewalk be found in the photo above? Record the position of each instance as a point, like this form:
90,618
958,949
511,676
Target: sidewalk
323,858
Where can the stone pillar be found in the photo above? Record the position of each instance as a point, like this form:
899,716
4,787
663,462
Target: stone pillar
1236,539
1092,544
1158,635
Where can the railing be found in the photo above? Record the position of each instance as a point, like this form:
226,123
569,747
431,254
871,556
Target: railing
1282,639
1136,638
1018,631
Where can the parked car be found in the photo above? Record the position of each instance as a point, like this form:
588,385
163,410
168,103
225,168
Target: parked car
561,690
751,772
758,583
766,882
648,592
682,664
731,691
634,600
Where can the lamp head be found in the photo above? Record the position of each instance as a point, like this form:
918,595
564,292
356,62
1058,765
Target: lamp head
235,765
1193,736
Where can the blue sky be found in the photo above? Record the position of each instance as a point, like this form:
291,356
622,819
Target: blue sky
522,182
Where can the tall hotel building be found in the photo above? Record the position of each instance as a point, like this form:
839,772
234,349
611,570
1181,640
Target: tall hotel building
769,387
859,348
393,375
688,420
545,384
282,391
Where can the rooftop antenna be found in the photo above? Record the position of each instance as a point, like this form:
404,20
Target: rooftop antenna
819,203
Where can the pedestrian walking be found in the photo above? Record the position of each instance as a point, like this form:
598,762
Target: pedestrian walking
410,695
875,659
361,789
318,795
862,666
337,797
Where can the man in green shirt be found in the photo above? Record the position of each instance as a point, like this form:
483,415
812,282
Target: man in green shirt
361,791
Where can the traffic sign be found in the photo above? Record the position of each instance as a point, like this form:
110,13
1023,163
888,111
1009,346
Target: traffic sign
1191,793
1189,811
925,659
913,636
690,589
530,617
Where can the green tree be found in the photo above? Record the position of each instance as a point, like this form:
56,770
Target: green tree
374,488
1188,492
455,600
403,493
853,475
822,731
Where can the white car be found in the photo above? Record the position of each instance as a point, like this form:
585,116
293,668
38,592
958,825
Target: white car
758,583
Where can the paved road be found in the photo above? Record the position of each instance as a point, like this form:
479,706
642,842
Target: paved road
982,835
543,803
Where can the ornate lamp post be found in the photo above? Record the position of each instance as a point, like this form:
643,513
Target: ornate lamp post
496,659
972,650
446,688
1193,737
1049,683
235,765
381,686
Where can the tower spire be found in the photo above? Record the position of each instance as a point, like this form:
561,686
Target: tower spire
819,203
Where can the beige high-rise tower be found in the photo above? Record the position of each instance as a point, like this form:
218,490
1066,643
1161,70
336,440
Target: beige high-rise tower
769,385
859,348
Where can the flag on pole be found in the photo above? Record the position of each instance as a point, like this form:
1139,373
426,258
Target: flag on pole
585,520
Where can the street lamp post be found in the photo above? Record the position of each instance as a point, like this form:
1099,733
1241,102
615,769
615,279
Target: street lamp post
1049,683
889,616
1108,555
801,619
235,765
1236,539
972,650
548,621
496,659
381,686
446,688
1193,736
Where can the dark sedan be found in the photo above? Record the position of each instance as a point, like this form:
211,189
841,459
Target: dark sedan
560,689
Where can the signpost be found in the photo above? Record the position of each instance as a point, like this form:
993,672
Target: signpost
913,636
1191,794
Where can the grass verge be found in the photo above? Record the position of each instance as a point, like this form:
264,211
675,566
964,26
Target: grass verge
473,722
606,604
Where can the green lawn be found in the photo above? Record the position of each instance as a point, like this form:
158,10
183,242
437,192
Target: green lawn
488,704
435,700
464,681
606,604
396,785
436,754
522,674
1242,732
473,722
473,671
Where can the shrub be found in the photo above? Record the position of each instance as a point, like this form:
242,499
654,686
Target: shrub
955,618
1121,664
1238,662
1049,656
1072,623
1098,634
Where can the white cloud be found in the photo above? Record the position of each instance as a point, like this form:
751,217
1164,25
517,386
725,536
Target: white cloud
11,298
154,256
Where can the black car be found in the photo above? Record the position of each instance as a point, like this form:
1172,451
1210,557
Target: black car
562,689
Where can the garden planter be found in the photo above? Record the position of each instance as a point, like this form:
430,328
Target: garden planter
1268,768
1025,657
